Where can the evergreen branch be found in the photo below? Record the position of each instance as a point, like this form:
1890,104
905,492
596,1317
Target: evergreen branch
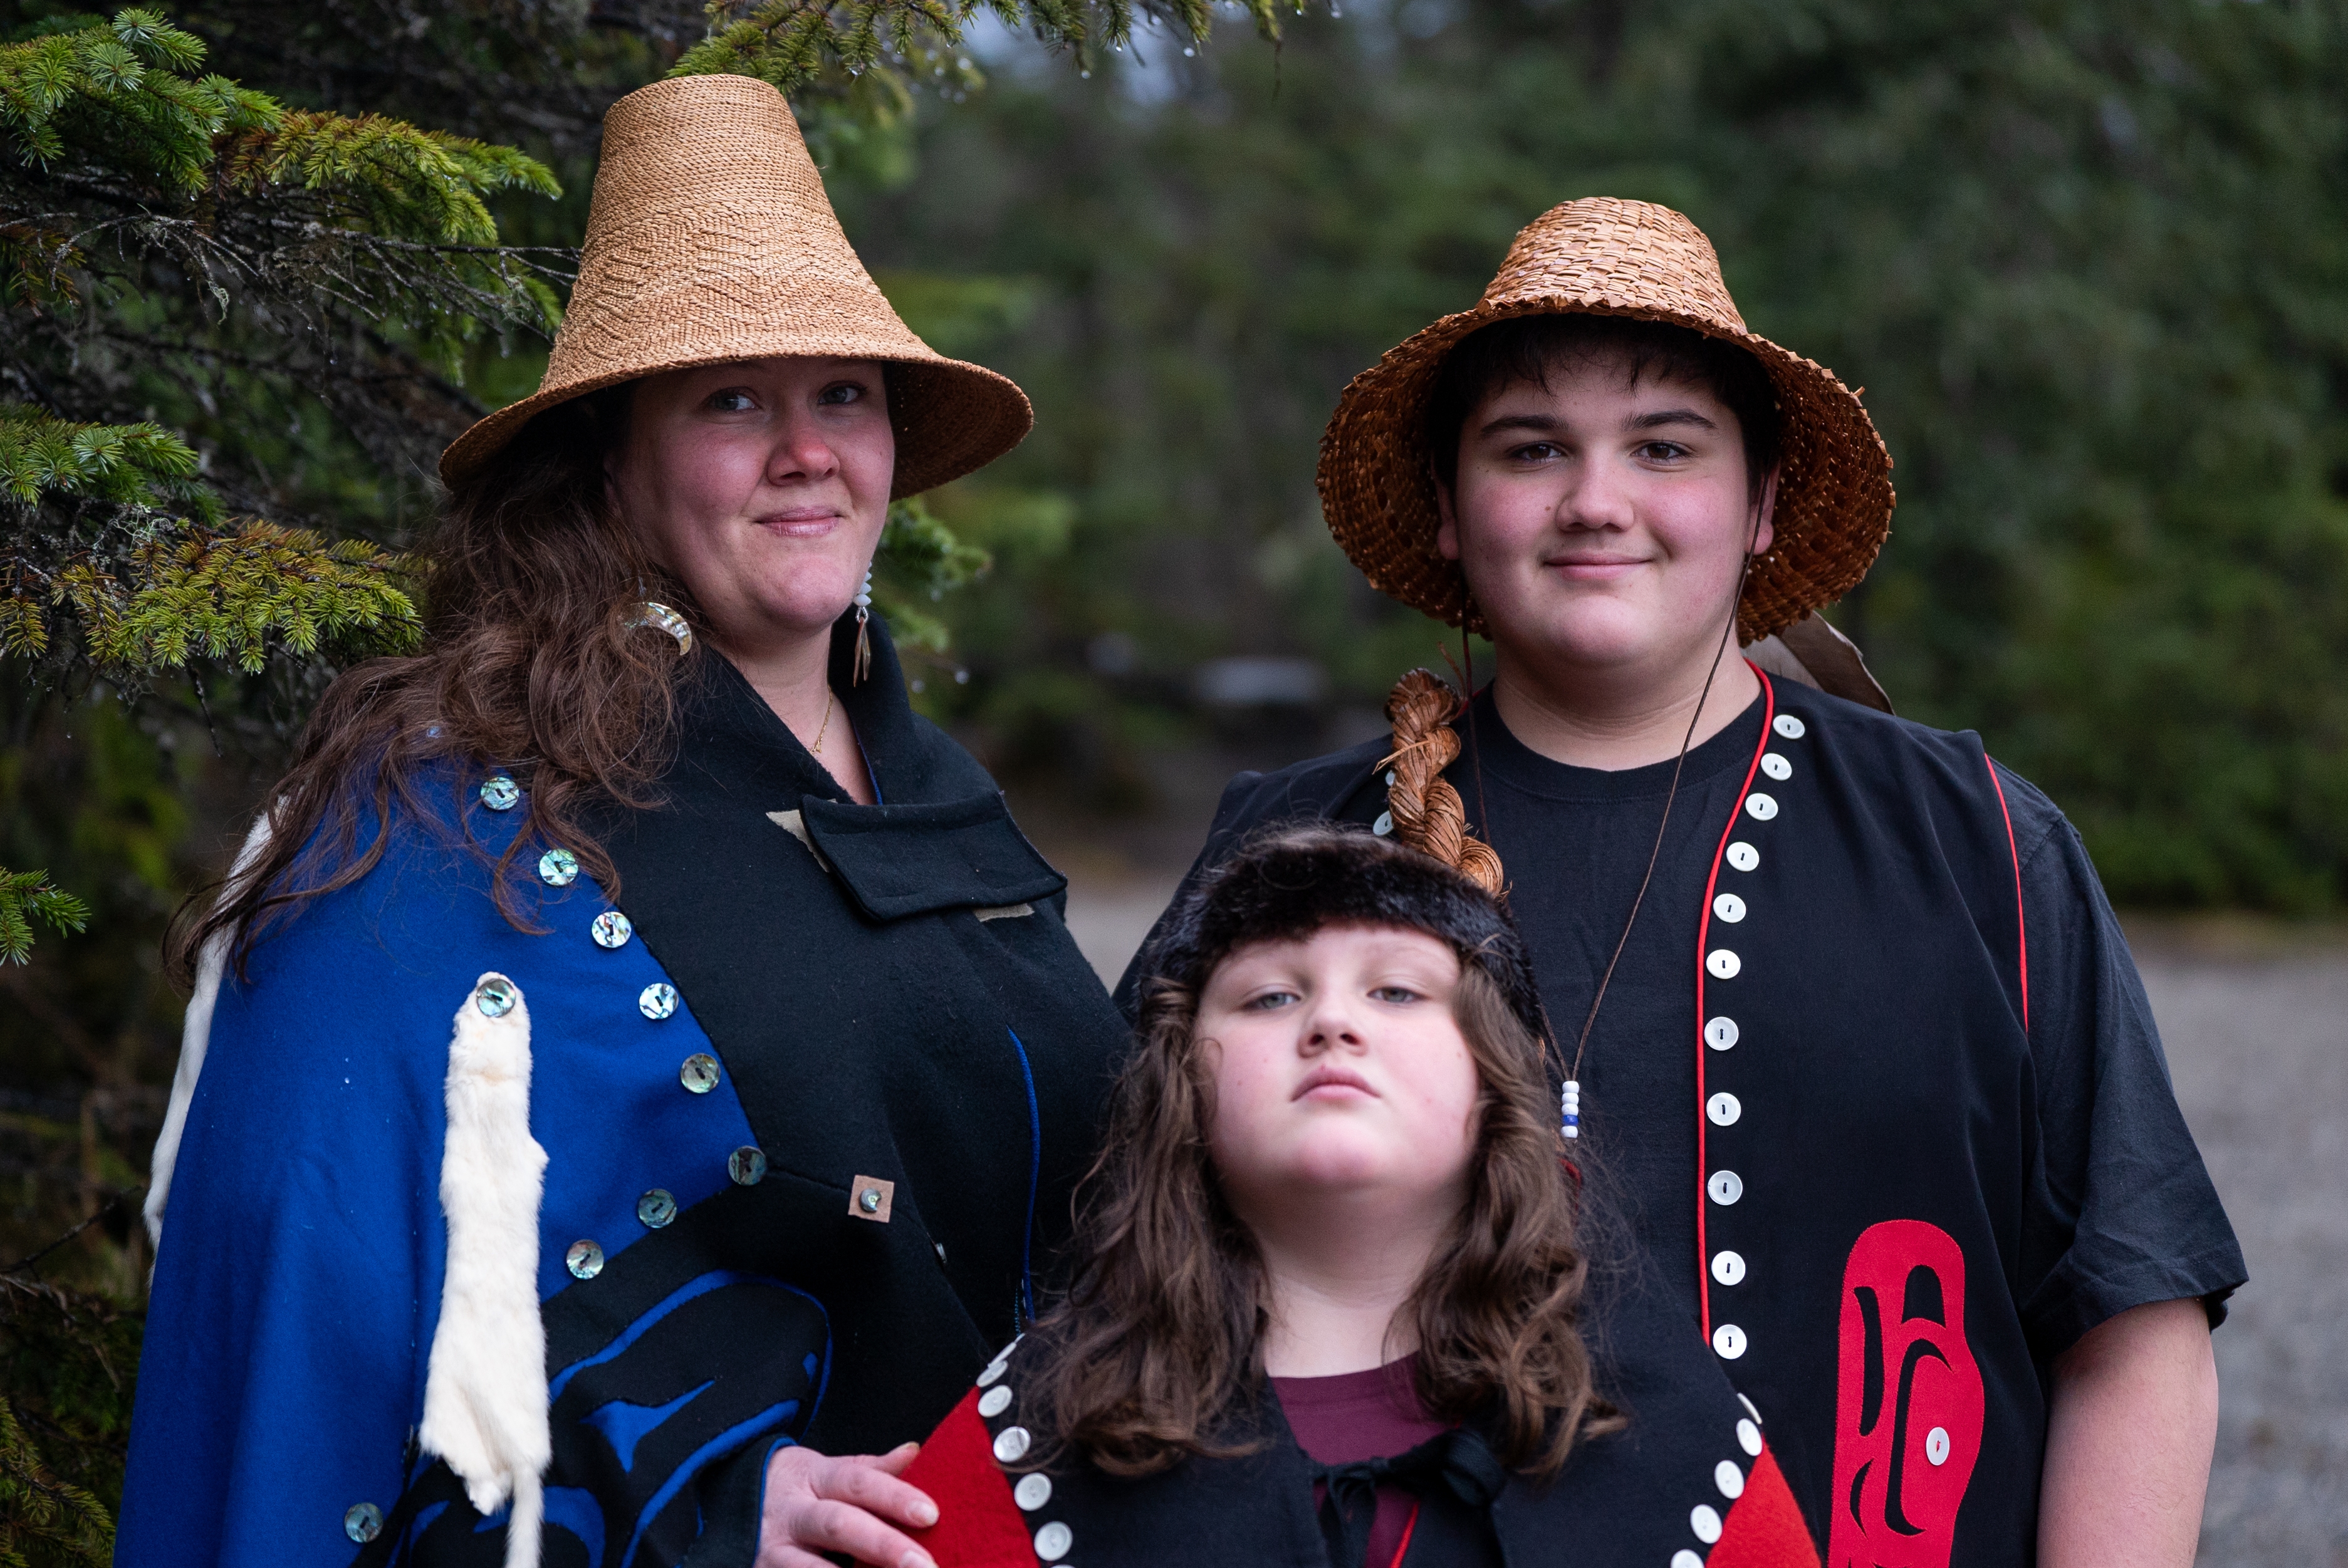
30,895
240,596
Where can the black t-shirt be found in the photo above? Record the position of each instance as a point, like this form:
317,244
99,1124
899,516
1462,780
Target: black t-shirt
2124,1178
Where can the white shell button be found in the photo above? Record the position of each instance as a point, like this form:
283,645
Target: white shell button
1743,856
1725,1187
1051,1542
1722,964
1936,1445
1728,1341
1011,1444
1705,1520
1776,766
1729,1479
1032,1492
1748,1437
1728,1267
994,1402
1724,1109
1729,907
1760,807
1790,727
1720,1033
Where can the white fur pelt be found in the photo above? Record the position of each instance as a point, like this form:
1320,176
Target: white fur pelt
485,1394
195,1038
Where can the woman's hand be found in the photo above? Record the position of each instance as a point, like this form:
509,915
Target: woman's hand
817,1504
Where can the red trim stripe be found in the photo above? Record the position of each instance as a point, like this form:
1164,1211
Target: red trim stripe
2021,926
1410,1528
1702,935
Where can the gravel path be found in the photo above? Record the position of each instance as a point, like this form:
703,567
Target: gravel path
2256,1031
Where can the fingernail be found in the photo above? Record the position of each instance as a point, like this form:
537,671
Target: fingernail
916,1559
925,1514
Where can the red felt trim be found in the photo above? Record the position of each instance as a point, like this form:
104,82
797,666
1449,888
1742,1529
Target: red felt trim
2021,929
979,1525
1764,1528
1409,1527
1702,935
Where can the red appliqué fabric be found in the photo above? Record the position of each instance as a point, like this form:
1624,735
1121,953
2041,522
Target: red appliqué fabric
1908,1401
979,1525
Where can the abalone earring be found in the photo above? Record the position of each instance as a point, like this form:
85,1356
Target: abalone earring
863,630
660,617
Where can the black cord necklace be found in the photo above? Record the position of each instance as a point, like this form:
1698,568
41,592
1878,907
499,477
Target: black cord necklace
1569,1099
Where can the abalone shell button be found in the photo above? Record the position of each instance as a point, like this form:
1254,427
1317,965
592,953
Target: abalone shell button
1760,807
1728,1267
1011,1444
1720,1033
1729,907
1725,1187
611,930
499,793
1729,1479
657,1000
1790,727
657,1208
1722,964
1051,1542
994,1402
1032,1492
868,1200
1705,1520
496,997
1728,1341
1743,856
1748,1436
557,868
1723,1108
699,1073
747,1165
362,1522
1776,766
585,1260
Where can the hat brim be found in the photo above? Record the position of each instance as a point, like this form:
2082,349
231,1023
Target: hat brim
951,418
1377,484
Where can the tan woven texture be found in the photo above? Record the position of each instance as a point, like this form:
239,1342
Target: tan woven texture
710,239
1607,257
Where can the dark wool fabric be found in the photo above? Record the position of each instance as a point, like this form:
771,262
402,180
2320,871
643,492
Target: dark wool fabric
1889,1119
1289,883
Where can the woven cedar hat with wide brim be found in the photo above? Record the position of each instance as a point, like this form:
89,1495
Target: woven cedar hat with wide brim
1601,256
710,239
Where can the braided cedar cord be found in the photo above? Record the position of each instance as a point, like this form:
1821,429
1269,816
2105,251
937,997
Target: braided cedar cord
1428,815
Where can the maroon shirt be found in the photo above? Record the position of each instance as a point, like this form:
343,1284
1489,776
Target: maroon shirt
1358,1416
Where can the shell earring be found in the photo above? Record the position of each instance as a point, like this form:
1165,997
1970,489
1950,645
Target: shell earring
661,617
863,630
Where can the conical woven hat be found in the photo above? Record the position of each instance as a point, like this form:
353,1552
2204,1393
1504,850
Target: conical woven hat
710,239
1601,256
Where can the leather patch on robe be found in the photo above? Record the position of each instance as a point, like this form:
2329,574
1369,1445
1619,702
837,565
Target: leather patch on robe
1909,1402
900,860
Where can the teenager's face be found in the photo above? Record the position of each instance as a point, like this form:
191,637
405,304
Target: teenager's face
1340,1072
1602,522
763,485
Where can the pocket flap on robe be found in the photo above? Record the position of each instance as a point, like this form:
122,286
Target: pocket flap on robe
900,860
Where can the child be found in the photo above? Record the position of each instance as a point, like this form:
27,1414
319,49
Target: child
1327,1306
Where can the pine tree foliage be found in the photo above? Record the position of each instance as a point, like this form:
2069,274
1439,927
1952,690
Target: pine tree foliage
66,1363
796,44
26,897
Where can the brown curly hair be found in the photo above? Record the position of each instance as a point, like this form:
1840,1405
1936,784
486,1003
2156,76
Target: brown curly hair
1156,1351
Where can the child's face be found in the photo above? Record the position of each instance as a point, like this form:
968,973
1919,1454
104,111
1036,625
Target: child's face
1340,1072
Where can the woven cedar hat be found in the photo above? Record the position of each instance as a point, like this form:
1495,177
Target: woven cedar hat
710,239
1601,256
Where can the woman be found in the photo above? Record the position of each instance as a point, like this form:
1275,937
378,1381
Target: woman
772,1062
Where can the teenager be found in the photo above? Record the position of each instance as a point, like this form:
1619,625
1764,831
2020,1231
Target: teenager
1329,1307
771,1064
1853,1025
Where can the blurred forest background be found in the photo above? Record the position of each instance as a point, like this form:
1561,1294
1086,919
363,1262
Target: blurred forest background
2087,258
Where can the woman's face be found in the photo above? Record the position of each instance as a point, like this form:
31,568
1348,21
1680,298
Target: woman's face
1340,1073
1601,521
763,485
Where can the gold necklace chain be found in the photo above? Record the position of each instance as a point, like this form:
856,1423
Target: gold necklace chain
820,728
